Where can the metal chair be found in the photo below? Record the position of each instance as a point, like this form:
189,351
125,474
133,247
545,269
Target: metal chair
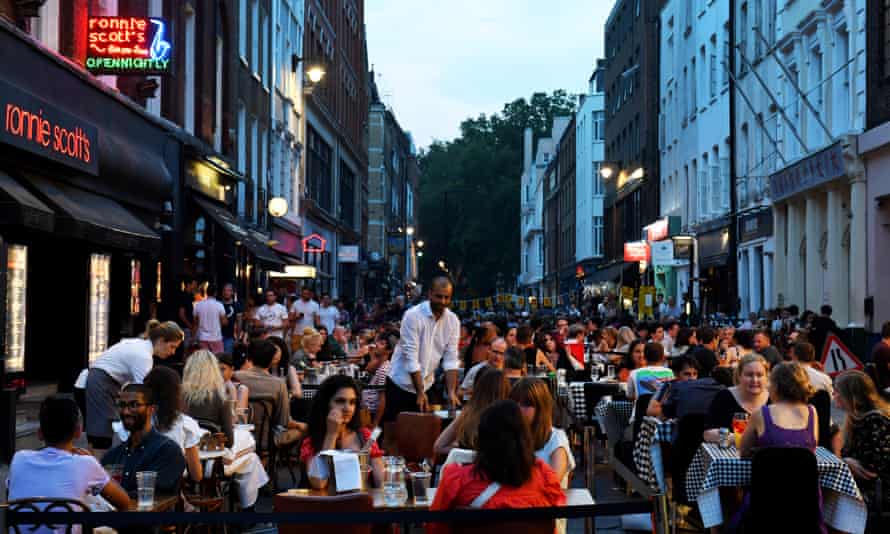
48,504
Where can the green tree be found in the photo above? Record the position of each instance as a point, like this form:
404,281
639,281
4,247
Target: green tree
469,193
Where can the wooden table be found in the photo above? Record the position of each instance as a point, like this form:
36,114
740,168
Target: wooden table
574,497
162,503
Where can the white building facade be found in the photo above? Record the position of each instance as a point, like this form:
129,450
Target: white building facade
693,138
802,67
589,190
534,162
285,135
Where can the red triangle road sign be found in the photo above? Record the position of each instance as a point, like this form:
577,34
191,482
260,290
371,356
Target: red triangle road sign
837,358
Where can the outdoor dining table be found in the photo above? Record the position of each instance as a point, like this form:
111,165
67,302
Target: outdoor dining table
574,497
577,401
714,467
647,452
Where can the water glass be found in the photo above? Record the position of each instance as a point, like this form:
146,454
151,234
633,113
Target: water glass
395,493
611,372
145,488
420,483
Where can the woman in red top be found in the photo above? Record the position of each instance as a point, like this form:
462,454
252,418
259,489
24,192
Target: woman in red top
335,423
506,473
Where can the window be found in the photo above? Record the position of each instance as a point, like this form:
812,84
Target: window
712,78
347,195
743,165
724,182
597,236
318,163
840,99
267,61
715,187
255,36
726,49
599,130
743,43
45,27
814,94
540,250
254,169
242,154
242,29
685,88
693,86
792,109
758,13
218,97
189,70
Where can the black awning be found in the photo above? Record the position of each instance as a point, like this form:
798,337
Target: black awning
254,241
611,273
101,220
19,207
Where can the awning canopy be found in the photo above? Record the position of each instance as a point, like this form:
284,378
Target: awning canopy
254,241
88,216
611,273
19,207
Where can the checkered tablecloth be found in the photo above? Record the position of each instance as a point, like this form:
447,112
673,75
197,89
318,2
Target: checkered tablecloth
713,467
623,407
577,403
647,450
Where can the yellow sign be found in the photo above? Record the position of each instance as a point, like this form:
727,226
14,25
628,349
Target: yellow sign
627,293
488,302
647,301
462,305
475,304
521,301
548,302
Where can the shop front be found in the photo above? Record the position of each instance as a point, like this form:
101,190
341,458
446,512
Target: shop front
86,184
713,274
755,257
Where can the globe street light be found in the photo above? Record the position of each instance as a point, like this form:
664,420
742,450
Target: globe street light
420,244
410,230
277,207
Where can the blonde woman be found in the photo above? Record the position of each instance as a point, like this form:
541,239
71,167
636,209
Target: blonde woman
204,396
128,361
307,356
749,395
626,336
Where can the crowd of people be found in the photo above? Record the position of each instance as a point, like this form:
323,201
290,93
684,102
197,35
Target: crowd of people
506,440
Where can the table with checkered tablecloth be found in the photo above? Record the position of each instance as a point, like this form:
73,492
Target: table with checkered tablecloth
714,467
577,403
647,450
623,407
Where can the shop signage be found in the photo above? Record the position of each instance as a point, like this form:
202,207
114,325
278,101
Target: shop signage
662,228
663,252
32,124
314,243
347,254
756,225
713,247
127,45
821,167
636,251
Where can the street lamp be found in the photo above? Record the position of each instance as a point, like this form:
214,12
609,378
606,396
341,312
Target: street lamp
637,174
277,206
419,253
315,73
608,169
410,230
420,244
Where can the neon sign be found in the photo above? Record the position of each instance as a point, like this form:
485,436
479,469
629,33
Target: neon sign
127,45
314,243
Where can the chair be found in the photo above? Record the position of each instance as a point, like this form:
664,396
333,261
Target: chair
690,429
48,504
640,407
262,418
416,434
784,479
821,401
531,526
878,518
352,502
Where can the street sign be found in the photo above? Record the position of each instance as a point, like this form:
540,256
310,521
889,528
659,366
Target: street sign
837,358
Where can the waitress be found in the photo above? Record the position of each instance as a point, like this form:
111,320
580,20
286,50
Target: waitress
123,363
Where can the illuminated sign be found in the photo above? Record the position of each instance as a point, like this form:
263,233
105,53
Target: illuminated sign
636,251
32,124
127,45
314,243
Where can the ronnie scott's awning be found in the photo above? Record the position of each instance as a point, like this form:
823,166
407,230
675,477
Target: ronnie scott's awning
84,215
254,241
19,207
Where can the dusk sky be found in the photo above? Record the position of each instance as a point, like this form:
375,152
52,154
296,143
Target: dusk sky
439,62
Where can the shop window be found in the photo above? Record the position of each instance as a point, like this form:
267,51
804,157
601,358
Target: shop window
200,229
16,292
100,278
135,287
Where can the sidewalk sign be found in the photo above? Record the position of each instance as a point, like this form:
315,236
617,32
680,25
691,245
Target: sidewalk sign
837,358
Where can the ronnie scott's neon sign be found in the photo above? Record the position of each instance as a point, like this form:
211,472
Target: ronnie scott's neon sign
127,45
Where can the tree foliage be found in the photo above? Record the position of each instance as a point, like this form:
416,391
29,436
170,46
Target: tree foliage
469,193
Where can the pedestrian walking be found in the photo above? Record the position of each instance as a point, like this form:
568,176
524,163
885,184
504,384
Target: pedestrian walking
429,335
328,314
303,315
125,362
209,318
272,317
231,330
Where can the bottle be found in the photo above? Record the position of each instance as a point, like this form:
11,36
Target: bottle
395,493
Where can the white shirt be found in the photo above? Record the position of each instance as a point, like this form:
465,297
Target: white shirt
558,440
55,473
127,361
471,375
309,309
667,343
328,317
208,312
185,432
424,343
272,317
819,380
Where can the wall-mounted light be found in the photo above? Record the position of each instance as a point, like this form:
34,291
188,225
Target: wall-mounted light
315,74
409,230
420,244
637,174
277,206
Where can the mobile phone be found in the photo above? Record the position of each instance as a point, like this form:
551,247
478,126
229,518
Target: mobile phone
663,391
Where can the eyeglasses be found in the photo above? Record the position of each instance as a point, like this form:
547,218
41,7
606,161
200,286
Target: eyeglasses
123,405
497,352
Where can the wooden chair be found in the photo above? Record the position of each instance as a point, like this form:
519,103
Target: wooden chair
416,435
263,411
48,504
352,502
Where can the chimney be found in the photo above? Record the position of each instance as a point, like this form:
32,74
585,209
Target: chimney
527,149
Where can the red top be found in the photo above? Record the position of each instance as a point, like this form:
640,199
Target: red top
307,451
460,484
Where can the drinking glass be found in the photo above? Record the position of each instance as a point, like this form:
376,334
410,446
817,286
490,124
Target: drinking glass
242,415
739,424
116,472
145,488
420,482
394,491
611,371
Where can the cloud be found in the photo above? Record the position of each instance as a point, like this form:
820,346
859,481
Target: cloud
444,61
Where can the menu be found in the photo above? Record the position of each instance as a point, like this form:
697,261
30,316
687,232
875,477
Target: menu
100,278
16,291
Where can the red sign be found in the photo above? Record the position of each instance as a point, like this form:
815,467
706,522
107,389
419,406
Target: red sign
657,231
127,45
636,251
314,243
837,358
32,124
579,271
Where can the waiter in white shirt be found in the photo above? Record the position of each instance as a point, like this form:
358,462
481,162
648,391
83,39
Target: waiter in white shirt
429,334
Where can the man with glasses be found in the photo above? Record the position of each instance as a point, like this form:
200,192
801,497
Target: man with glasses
146,449
495,359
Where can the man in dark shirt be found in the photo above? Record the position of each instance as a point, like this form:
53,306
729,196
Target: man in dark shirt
822,325
763,346
146,449
705,352
880,356
234,310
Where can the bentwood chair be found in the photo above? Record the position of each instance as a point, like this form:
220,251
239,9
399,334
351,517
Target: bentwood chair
47,504
784,479
333,504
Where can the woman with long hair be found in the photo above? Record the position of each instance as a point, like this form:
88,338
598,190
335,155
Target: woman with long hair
335,423
204,395
550,443
282,367
129,360
171,422
477,350
555,356
866,433
634,359
505,473
626,336
490,386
